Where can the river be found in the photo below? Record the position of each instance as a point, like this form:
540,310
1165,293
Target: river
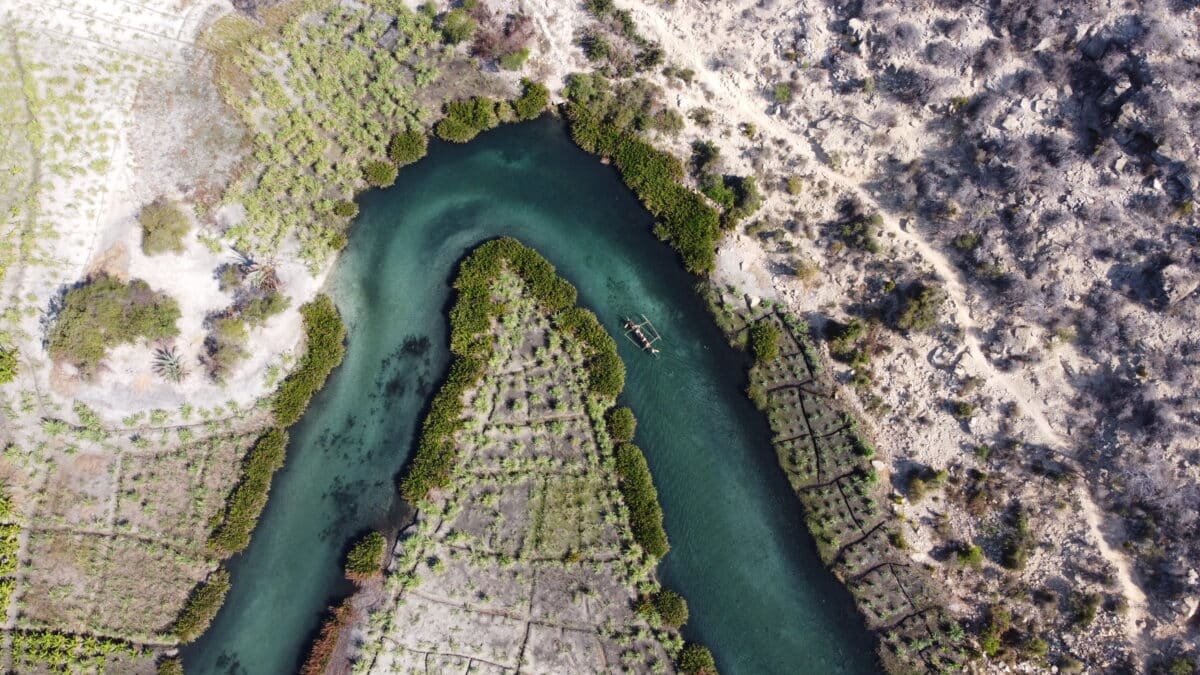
759,596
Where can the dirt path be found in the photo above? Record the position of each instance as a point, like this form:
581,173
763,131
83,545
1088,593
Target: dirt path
744,105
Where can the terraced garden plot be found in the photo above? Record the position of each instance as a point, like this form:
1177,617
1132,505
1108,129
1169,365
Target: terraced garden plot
525,560
828,462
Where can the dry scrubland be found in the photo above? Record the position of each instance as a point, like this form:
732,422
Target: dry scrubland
984,212
1001,196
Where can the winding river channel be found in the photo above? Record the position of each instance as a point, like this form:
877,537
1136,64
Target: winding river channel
759,595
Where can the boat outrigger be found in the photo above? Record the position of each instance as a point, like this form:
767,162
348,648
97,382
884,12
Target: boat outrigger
642,334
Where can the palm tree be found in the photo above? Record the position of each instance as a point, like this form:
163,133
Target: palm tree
168,365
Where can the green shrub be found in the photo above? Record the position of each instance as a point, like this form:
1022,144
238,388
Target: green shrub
860,233
637,487
963,410
202,606
345,209
465,119
1018,542
764,339
968,242
103,313
8,365
408,147
671,608
684,218
379,173
170,666
782,93
621,424
533,100
695,659
970,555
325,337
1084,607
247,500
164,225
514,60
457,26
365,559
921,307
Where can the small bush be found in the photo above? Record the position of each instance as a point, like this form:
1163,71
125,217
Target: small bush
532,101
782,93
170,666
379,173
202,606
8,365
637,487
621,424
365,559
325,346
963,410
345,209
696,659
457,26
860,233
103,313
408,147
1084,608
970,555
921,307
514,60
164,225
321,651
464,120
968,242
764,339
671,608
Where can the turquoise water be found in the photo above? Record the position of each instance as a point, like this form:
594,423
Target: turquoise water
758,593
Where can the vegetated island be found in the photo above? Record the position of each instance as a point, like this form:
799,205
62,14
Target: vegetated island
539,528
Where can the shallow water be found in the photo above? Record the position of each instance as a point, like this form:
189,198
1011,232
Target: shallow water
759,596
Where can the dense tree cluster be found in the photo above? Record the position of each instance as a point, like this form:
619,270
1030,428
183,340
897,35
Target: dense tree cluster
325,337
247,500
637,487
202,606
104,312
